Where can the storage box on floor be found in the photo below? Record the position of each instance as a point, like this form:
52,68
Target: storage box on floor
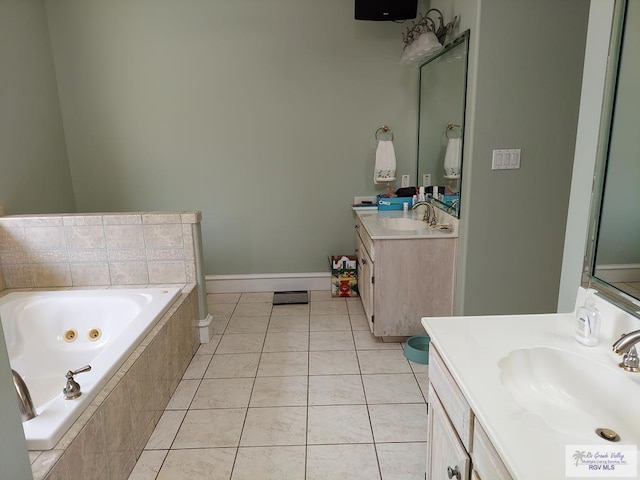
344,276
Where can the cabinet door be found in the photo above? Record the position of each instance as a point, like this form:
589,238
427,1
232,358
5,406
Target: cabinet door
446,457
365,280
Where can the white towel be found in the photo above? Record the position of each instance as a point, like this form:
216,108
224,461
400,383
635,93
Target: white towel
385,168
452,158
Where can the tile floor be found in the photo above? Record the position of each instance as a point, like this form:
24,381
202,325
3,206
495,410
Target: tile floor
292,392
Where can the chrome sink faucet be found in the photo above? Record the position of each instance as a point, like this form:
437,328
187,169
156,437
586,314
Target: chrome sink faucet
25,404
626,346
429,214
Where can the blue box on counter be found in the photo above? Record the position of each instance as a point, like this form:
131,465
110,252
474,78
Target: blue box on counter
393,203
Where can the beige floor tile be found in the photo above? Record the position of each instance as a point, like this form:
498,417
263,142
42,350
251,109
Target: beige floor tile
333,363
233,365
240,324
383,361
342,340
221,310
338,424
256,297
223,393
213,298
423,383
331,462
197,367
182,397
329,308
286,342
148,465
198,464
402,461
391,388
270,463
209,348
335,390
279,392
394,423
286,310
241,343
329,323
253,309
323,296
272,426
165,432
365,340
219,427
354,306
278,364
289,323
359,322
219,325
419,367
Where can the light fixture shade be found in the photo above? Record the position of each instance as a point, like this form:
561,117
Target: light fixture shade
425,45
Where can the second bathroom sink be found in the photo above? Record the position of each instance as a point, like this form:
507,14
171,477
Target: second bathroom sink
402,223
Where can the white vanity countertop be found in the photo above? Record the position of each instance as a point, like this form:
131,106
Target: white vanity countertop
371,220
472,348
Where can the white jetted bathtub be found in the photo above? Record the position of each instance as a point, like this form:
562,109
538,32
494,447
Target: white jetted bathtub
50,333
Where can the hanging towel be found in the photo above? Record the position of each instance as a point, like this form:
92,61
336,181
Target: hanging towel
385,168
452,158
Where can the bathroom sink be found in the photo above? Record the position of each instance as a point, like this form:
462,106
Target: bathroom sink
572,393
403,224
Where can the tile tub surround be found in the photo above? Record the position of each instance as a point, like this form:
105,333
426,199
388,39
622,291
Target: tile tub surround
108,438
292,392
97,249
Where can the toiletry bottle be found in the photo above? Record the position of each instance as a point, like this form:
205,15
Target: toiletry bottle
421,197
588,322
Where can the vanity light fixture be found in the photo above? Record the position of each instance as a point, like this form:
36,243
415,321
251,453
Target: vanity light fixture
424,37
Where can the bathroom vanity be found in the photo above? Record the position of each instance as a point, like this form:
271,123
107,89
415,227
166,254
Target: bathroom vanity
511,396
405,269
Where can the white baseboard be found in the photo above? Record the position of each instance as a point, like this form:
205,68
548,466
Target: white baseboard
268,282
614,273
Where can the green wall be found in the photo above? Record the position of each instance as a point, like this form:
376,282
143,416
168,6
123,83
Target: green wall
34,173
260,114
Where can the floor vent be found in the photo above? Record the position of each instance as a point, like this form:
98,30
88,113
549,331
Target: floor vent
290,297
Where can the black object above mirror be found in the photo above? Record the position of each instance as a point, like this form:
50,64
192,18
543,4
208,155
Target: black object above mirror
613,250
441,114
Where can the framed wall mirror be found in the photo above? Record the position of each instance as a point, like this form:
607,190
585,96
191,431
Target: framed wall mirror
612,263
442,100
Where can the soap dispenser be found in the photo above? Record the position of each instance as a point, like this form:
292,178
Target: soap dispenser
588,322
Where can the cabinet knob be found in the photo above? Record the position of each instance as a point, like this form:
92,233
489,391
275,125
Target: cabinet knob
453,472
357,227
364,261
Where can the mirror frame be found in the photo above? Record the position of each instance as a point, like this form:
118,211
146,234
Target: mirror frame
589,280
459,39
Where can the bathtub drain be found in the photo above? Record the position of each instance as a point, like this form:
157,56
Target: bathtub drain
70,335
94,334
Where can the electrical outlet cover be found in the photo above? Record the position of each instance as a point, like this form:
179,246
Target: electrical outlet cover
426,180
406,180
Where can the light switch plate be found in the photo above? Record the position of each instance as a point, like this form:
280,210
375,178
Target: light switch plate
506,159
406,180
426,179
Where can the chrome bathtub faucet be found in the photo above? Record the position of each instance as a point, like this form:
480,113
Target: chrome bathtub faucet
25,404
72,390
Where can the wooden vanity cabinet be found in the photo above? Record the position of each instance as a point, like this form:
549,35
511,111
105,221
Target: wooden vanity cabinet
458,446
402,280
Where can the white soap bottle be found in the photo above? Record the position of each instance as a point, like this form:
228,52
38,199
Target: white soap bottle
588,322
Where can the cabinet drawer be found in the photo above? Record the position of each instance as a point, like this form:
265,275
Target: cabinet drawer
486,460
451,397
365,238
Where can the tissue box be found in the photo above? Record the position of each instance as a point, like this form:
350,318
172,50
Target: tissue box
393,203
344,275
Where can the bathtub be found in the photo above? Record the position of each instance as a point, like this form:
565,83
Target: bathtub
50,333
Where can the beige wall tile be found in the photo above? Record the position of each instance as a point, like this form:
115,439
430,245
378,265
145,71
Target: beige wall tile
122,218
128,273
167,253
169,235
44,238
87,455
90,274
51,275
116,418
127,254
13,257
48,256
3,285
89,236
161,218
33,221
167,272
17,276
11,238
88,255
124,236
79,219
191,217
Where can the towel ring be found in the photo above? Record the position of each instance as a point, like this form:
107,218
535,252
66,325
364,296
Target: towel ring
384,129
451,126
